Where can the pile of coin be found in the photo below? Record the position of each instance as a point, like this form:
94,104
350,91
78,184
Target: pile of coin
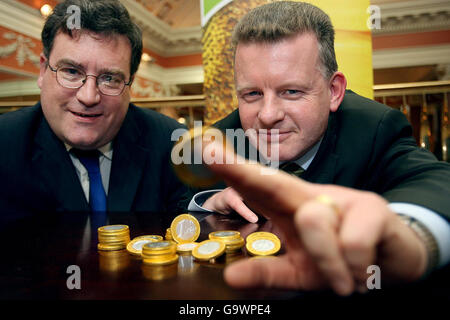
159,253
232,239
168,234
113,237
262,244
135,246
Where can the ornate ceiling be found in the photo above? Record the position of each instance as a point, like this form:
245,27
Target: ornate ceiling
172,35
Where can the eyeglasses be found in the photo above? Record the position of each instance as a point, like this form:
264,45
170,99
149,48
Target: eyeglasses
109,84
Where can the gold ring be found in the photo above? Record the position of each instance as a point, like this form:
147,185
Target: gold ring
324,199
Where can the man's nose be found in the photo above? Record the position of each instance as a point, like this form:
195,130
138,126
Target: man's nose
89,94
271,111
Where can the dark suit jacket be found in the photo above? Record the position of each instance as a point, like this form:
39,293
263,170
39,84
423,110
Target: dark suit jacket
37,173
369,146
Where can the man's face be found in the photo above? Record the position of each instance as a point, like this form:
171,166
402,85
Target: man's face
279,86
84,118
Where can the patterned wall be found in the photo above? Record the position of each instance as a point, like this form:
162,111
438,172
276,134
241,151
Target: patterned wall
220,98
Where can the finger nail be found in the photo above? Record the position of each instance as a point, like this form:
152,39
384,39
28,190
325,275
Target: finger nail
253,219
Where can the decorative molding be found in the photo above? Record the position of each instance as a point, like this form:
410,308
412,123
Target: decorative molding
414,56
413,16
16,16
162,38
21,46
19,88
168,76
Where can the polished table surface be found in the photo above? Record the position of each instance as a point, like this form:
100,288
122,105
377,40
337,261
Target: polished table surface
38,252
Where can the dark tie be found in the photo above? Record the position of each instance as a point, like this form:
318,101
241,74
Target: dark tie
292,168
97,195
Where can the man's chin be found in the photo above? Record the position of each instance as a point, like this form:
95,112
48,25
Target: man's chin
84,144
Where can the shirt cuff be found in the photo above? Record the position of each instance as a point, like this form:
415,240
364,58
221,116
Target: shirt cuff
437,225
199,199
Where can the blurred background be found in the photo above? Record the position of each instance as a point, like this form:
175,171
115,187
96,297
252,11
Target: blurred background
407,66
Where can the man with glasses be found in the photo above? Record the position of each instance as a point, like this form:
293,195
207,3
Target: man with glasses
84,147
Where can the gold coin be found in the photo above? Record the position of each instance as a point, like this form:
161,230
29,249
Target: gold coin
106,247
261,234
185,228
186,247
163,260
135,246
168,234
158,248
208,249
263,245
187,159
150,236
114,229
224,235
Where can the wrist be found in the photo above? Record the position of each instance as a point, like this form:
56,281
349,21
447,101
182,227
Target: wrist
427,239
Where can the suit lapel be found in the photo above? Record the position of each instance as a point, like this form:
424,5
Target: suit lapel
323,168
52,164
128,164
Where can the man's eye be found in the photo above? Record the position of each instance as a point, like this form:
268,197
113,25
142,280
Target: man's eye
292,91
70,73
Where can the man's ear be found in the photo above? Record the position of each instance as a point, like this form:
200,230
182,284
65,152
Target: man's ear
337,86
43,62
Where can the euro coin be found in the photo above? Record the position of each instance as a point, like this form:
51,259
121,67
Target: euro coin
187,156
159,253
261,234
224,235
263,245
163,260
135,246
150,236
232,239
208,249
114,229
113,237
185,228
168,234
186,247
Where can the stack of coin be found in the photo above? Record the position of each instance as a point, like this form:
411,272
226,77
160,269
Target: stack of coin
208,250
113,237
185,228
262,244
159,253
186,247
168,234
135,246
232,239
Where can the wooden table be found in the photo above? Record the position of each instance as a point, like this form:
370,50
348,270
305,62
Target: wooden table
39,252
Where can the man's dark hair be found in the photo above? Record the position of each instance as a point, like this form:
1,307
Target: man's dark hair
105,17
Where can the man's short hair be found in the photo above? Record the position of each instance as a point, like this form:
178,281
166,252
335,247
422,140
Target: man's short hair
276,21
105,17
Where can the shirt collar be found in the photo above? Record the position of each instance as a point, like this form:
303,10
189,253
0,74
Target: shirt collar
105,150
305,160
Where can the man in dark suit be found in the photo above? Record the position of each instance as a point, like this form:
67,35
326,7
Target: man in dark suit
367,194
85,76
